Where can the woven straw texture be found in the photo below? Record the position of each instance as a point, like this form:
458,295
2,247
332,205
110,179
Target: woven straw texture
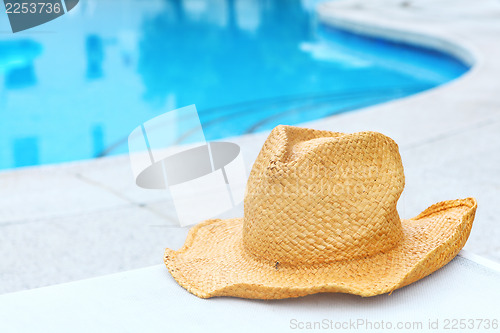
320,216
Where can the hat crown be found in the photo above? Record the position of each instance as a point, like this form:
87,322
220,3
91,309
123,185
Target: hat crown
319,196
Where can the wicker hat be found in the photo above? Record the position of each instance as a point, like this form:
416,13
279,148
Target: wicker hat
320,216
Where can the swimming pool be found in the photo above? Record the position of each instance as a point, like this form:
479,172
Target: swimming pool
74,88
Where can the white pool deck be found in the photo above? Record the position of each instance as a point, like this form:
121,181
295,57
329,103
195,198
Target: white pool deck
149,300
85,219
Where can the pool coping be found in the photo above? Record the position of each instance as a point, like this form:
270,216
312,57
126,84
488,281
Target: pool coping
434,40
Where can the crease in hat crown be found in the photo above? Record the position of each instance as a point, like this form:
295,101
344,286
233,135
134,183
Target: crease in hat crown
354,180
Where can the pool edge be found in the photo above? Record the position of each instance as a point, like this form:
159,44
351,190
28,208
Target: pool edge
366,26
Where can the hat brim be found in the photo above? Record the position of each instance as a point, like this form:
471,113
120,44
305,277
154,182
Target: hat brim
212,261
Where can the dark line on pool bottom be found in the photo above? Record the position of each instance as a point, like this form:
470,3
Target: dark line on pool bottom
400,93
373,101
290,98
279,101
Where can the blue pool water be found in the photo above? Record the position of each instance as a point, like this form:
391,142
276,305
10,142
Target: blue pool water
74,88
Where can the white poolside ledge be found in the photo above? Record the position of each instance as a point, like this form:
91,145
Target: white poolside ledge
78,220
149,300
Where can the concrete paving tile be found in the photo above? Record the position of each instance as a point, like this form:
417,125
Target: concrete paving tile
114,174
458,166
49,251
46,192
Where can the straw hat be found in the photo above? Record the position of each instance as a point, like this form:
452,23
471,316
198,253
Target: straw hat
320,216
